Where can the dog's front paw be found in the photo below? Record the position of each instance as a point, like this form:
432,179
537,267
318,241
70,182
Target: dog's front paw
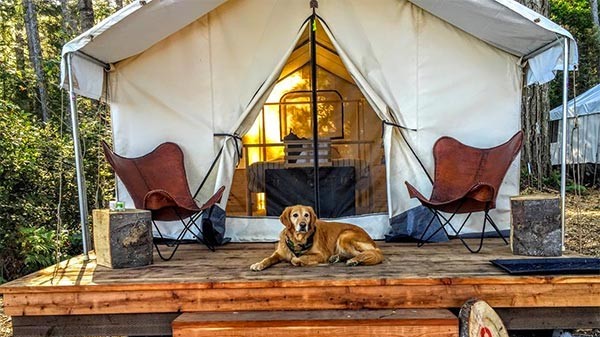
334,259
296,262
352,262
257,266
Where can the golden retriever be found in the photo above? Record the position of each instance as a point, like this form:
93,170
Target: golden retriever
307,241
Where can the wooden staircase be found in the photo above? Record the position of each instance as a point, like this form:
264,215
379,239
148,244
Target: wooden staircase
326,323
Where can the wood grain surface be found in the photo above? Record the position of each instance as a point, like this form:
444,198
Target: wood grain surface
433,276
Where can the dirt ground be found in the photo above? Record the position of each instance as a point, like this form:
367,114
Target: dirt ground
582,236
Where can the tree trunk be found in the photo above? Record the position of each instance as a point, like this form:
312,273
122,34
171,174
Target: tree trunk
535,105
594,7
21,94
596,20
35,55
68,24
86,14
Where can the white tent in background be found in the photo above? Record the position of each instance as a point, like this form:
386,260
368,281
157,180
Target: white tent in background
197,72
583,129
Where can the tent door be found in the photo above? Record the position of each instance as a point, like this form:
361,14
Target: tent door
314,105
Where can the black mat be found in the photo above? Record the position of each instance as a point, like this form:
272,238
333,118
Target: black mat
572,265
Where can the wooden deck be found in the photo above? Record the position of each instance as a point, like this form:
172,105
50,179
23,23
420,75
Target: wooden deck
435,276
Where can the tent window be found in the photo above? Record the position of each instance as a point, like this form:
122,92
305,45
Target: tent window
297,117
554,131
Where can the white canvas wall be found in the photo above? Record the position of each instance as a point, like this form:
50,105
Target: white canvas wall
583,141
436,79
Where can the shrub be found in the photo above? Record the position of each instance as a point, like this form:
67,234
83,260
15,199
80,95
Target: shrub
39,213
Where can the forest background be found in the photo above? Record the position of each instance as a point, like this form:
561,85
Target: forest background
39,216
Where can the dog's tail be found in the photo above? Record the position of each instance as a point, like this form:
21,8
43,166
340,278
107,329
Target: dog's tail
369,257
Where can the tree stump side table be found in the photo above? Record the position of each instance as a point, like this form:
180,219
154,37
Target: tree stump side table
122,239
535,225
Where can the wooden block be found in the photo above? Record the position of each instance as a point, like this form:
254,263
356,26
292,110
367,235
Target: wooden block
535,225
327,323
122,238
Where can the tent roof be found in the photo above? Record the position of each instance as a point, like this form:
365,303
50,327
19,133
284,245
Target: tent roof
327,57
587,103
504,24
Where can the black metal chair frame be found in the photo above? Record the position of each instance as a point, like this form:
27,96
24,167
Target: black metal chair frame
187,227
439,216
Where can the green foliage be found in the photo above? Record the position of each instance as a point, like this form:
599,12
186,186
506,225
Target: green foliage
553,180
576,188
576,17
38,192
37,246
39,212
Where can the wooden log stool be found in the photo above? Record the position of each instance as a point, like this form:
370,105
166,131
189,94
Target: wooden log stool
536,228
478,319
122,239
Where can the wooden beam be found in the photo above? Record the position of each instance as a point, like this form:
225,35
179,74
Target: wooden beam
422,322
299,298
94,325
550,318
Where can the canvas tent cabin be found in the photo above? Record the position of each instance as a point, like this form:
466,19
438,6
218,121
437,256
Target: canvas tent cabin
203,73
583,132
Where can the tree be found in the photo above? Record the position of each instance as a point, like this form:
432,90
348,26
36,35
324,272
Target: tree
68,24
596,21
535,105
86,14
594,8
577,17
35,55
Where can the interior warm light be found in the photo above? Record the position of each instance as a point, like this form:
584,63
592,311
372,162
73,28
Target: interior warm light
260,201
271,117
287,84
269,132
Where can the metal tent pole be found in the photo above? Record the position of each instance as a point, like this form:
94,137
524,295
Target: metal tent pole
315,114
83,211
563,157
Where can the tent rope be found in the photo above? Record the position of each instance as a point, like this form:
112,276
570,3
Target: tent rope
237,139
400,128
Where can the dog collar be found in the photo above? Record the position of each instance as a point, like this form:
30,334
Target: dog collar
303,248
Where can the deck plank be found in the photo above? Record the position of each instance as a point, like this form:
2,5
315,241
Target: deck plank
434,276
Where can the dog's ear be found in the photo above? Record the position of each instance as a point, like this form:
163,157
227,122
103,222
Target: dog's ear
285,217
313,215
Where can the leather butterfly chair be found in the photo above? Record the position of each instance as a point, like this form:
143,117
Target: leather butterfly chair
467,180
157,182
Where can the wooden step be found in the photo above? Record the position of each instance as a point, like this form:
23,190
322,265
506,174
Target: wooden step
323,323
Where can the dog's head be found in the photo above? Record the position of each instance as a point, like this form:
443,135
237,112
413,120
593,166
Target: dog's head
299,219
